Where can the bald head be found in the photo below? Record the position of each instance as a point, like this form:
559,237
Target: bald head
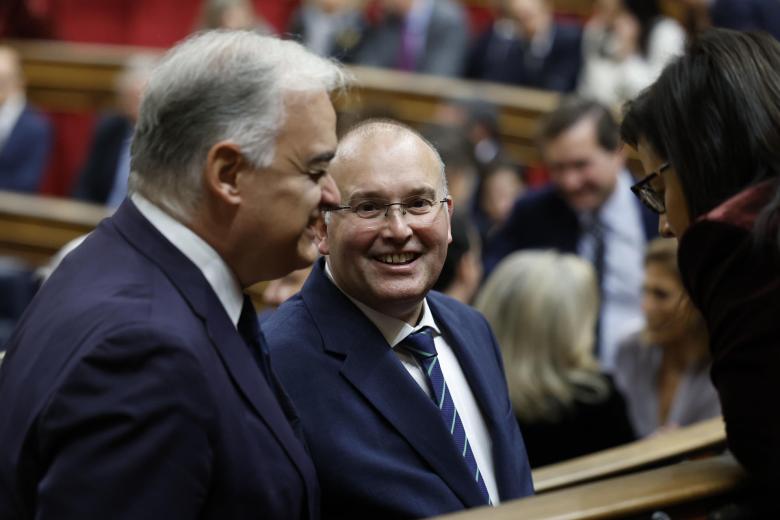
10,73
365,141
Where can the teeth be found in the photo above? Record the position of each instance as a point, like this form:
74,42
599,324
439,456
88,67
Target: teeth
399,258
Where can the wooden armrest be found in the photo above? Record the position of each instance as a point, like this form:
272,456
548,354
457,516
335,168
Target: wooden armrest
705,435
688,482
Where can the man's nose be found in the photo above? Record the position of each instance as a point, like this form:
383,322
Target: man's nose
330,192
397,227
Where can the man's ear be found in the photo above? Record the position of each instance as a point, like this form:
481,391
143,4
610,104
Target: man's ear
321,235
224,164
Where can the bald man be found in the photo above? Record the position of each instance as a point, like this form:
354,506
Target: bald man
400,389
25,135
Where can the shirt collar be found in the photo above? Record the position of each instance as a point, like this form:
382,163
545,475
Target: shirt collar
10,111
392,329
199,252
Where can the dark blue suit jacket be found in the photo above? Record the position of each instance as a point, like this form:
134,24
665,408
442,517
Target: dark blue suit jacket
26,152
541,219
747,15
494,58
98,176
127,392
377,440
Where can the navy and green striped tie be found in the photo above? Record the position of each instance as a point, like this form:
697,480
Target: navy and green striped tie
420,345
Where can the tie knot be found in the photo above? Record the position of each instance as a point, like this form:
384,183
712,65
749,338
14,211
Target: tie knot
248,325
420,344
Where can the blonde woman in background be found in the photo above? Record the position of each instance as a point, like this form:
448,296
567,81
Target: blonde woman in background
664,370
543,306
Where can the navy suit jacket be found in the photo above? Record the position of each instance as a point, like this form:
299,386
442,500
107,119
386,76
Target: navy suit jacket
494,58
127,392
541,219
377,440
25,153
98,176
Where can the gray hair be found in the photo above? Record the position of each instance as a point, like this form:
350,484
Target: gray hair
215,86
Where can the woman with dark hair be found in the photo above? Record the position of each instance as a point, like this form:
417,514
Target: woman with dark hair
708,136
625,46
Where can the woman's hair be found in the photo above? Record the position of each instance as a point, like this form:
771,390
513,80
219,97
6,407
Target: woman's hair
714,114
542,306
647,13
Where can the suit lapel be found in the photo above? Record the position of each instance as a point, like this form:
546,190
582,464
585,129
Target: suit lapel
375,371
231,348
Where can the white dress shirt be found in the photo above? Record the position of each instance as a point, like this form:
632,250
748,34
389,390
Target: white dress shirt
394,332
9,115
217,273
621,285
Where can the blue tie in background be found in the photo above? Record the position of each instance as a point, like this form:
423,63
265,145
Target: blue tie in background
420,345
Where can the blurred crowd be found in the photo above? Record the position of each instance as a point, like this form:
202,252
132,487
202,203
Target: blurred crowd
587,304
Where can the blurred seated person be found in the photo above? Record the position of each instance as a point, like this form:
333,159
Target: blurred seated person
478,120
233,14
625,46
332,28
103,179
462,271
459,166
664,370
525,46
741,15
500,185
25,134
588,209
425,36
542,307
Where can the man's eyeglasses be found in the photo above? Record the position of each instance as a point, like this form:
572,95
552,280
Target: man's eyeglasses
418,209
647,194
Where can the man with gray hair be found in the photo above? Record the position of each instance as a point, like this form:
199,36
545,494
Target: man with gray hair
400,389
137,384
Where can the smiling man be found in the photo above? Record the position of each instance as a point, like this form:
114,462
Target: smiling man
586,209
400,390
136,385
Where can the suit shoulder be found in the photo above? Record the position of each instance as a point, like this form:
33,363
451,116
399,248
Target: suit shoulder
463,311
290,324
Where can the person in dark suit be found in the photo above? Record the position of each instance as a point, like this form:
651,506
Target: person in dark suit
715,181
426,36
103,179
525,46
25,134
137,385
586,209
400,390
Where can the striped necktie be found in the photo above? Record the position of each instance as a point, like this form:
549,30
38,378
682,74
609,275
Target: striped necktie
420,345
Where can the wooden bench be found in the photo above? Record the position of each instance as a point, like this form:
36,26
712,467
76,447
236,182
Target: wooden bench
683,490
74,77
706,436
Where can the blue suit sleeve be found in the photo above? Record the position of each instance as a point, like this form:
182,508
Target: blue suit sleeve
126,435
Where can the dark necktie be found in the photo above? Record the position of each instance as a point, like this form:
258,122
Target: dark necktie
249,328
420,345
596,231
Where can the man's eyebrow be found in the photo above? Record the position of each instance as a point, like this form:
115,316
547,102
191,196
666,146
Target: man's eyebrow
373,194
323,157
